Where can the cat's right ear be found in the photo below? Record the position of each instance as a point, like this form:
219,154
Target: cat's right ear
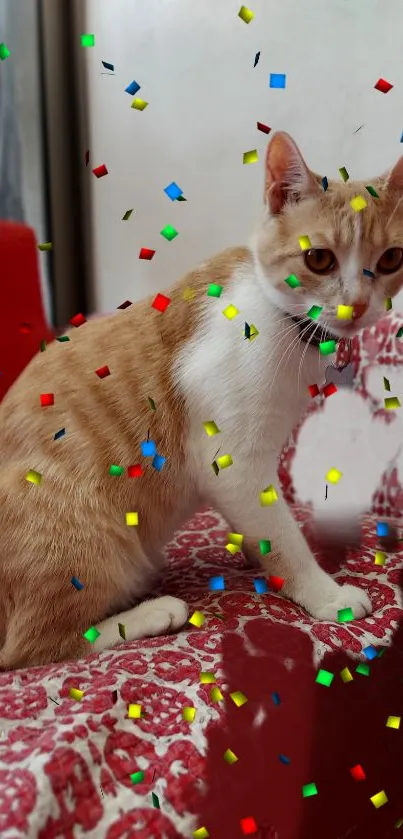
287,175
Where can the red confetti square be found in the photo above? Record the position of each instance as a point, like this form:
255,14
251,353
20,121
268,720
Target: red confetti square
125,305
358,773
329,389
248,825
25,328
135,471
275,583
78,320
313,390
146,253
47,399
161,302
262,127
103,372
87,157
383,86
100,171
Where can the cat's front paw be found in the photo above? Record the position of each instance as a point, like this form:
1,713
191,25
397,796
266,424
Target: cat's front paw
326,608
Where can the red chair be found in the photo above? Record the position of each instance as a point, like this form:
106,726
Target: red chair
22,316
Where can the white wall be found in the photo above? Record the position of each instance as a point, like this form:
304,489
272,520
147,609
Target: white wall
194,62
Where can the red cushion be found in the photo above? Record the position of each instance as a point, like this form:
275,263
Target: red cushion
23,323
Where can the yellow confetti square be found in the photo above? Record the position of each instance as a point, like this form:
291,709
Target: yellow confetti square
207,678
304,243
380,558
233,549
246,14
333,476
250,156
197,619
139,104
393,722
201,833
216,695
235,539
346,675
268,496
34,477
388,304
230,756
224,461
132,519
230,312
189,714
238,698
211,428
391,402
344,312
379,799
189,294
134,711
253,332
75,693
358,203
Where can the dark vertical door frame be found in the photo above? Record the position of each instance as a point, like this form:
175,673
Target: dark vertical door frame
64,95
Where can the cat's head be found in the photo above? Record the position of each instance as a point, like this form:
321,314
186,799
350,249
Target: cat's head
343,242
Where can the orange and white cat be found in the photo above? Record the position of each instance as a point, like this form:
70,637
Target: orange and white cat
198,366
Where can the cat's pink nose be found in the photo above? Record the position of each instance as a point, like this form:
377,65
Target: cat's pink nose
359,309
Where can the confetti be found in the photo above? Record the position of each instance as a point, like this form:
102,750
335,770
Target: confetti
224,461
333,476
276,698
59,434
344,615
268,496
388,304
215,468
87,157
201,833
152,403
134,711
327,347
314,312
216,695
132,88
87,40
78,320
372,191
324,677
261,586
4,51
216,584
116,470
158,462
169,232
345,312
344,174
370,652
173,191
325,183
146,253
284,759
248,825
386,383
126,218
139,104
264,546
122,630
399,333
238,698
230,757
211,428
250,331
363,669
103,372
313,390
148,448
304,243
233,549
391,402
382,528
383,86
329,389
91,634
250,156
346,675
76,583
257,56
207,678
189,714
292,280
276,583
236,539
246,14
46,246
380,798
309,789
34,477
155,800
132,519
161,302
262,127
357,772
137,777
43,346
75,693
189,294
100,171
358,203
47,399
368,273
108,66
393,722
277,80
197,619
214,290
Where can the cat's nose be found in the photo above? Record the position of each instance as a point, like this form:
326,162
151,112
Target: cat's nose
359,309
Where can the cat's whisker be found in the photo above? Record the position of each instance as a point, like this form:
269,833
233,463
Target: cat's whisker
287,352
304,354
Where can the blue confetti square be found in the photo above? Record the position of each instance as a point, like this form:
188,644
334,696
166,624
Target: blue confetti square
325,183
132,88
382,528
401,139
276,699
368,273
76,583
370,652
260,585
158,462
284,759
216,584
148,448
277,80
59,434
173,191
108,66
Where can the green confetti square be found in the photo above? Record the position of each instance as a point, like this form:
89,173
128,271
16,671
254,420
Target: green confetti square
344,174
4,52
265,547
43,346
344,615
181,198
363,669
116,470
63,338
215,467
91,634
372,191
169,232
155,800
327,347
324,677
399,333
137,777
87,40
314,312
127,215
214,290
122,630
292,281
152,403
309,789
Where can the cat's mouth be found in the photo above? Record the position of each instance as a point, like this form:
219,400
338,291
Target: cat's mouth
312,335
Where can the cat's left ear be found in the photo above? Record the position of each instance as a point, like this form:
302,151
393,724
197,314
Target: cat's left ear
394,179
287,175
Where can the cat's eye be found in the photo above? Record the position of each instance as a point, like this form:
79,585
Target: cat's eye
390,261
319,260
